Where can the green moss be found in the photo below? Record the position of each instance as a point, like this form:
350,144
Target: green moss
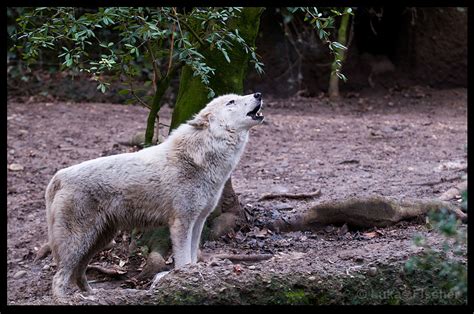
390,286
296,297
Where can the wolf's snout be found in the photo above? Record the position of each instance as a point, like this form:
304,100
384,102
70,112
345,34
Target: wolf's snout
258,96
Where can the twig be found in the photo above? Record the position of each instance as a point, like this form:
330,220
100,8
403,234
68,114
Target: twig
106,271
243,257
202,277
97,280
290,195
442,180
171,50
132,91
139,99
192,32
156,71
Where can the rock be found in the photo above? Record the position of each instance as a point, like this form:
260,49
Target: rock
46,267
372,271
283,206
252,267
214,262
19,274
16,167
311,278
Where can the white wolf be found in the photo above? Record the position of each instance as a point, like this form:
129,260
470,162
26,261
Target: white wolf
178,183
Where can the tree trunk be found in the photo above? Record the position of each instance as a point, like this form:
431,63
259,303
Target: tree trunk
192,97
340,53
229,77
162,86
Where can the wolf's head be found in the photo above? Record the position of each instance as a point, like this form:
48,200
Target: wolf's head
232,112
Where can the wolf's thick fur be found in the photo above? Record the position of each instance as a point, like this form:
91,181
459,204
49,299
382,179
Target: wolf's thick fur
178,183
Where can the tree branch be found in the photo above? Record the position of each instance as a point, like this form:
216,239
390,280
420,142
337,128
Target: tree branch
290,195
188,27
171,50
157,73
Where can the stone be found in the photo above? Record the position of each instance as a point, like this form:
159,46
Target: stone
19,274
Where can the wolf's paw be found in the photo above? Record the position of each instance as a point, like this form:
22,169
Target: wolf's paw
157,279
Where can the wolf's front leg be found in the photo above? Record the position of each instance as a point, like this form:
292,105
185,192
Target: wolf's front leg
197,231
181,230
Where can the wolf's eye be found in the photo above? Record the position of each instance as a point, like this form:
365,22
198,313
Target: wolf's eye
230,102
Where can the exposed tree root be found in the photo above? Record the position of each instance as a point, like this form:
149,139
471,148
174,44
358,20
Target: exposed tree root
159,243
155,263
290,195
454,191
362,213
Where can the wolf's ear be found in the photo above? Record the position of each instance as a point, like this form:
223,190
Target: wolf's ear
201,121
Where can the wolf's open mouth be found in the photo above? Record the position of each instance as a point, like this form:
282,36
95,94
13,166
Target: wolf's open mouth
256,114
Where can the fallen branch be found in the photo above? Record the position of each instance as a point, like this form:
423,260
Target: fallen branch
433,183
106,271
243,257
290,195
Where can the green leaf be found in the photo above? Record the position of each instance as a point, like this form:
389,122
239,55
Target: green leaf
225,55
124,92
339,45
321,33
211,94
341,76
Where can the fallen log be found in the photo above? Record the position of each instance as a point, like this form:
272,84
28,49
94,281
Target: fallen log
362,213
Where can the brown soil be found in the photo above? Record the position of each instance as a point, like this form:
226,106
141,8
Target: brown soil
403,144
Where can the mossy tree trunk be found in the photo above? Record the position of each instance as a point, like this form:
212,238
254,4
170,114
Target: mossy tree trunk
161,87
192,97
229,77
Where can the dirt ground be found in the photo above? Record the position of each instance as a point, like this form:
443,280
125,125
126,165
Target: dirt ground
401,144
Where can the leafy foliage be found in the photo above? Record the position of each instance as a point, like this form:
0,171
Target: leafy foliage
451,271
322,20
163,36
